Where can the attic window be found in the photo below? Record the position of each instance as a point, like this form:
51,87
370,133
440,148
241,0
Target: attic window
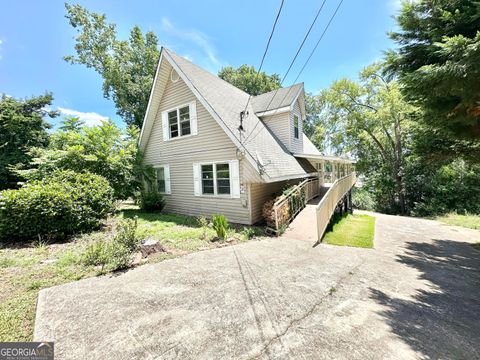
295,126
179,122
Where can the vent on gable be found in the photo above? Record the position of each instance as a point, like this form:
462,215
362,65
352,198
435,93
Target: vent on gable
174,76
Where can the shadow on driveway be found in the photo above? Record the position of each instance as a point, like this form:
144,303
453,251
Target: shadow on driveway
443,319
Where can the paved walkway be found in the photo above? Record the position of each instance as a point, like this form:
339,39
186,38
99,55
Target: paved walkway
416,295
304,226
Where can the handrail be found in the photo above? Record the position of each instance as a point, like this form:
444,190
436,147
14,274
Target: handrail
294,188
328,203
289,205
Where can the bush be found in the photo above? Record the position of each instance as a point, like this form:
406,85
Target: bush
62,204
203,223
115,253
248,233
152,201
220,225
362,199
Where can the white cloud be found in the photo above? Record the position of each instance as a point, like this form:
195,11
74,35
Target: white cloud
90,118
195,36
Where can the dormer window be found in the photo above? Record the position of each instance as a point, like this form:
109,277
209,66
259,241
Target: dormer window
295,126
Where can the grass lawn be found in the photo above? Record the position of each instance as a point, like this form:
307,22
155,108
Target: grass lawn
25,269
468,221
352,230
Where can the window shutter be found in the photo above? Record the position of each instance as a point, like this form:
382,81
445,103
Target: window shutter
166,170
193,117
165,126
196,180
234,179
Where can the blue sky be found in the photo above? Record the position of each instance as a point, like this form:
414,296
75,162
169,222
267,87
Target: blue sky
34,37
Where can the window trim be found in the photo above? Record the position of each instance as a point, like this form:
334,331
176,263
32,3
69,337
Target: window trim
164,167
296,129
215,185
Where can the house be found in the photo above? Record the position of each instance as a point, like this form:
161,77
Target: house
211,159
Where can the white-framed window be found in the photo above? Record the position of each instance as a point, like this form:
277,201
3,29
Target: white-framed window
180,121
217,179
162,179
295,126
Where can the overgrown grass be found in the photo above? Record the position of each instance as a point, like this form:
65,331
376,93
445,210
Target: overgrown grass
352,230
25,270
468,221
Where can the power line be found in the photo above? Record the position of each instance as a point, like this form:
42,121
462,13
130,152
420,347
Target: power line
266,50
293,60
308,59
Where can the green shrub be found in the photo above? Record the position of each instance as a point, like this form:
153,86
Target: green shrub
152,201
362,199
248,233
203,223
126,234
220,225
62,204
114,253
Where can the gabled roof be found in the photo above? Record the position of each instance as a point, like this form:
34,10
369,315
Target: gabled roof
225,102
282,97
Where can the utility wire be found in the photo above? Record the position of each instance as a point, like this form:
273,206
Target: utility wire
293,61
308,59
266,50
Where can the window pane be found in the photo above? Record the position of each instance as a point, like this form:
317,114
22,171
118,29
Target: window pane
184,121
172,117
185,128
207,172
185,114
223,178
207,186
173,124
161,180
223,171
295,126
207,179
223,186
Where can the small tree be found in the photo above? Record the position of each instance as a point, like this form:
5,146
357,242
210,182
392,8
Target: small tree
22,127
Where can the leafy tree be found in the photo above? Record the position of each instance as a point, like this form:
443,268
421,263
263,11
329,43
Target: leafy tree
315,123
126,66
370,119
438,63
104,150
245,77
21,127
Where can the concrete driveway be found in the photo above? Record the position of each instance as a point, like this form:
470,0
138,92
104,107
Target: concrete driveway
417,295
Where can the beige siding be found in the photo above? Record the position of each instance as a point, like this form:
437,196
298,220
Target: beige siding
210,144
296,145
279,124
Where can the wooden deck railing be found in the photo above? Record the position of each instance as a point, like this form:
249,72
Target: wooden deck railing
289,205
330,200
